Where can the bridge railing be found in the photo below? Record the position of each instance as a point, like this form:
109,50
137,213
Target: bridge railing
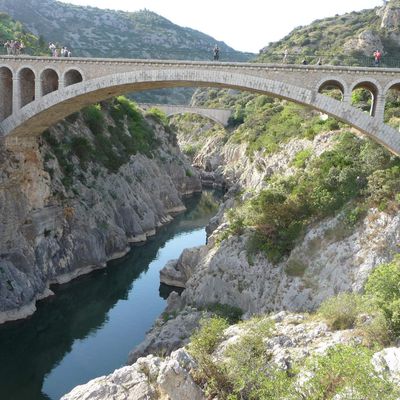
354,60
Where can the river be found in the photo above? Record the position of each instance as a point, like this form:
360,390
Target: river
88,328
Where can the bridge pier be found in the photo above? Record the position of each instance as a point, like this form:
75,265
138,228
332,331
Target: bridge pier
38,88
16,98
378,109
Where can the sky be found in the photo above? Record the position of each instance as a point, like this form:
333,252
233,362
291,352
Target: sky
246,25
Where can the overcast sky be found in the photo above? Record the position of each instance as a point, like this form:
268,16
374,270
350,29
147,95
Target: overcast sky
246,25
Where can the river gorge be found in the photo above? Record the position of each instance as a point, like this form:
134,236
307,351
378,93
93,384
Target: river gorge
88,328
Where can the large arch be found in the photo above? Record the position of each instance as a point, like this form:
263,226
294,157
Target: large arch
6,90
26,78
38,116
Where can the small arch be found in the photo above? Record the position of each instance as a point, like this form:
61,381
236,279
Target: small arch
333,88
49,81
392,102
27,86
361,98
72,76
6,90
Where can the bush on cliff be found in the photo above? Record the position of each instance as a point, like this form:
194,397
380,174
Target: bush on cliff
384,285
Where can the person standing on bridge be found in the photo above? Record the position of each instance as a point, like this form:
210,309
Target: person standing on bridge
216,53
377,58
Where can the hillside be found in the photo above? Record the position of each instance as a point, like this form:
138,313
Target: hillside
93,32
348,39
14,30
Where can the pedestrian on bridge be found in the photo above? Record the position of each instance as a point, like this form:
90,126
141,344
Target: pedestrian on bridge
377,58
216,53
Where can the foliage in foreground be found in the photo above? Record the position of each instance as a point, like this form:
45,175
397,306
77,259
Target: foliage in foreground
245,371
384,285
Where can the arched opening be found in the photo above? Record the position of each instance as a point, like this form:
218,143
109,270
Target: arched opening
6,91
332,89
71,77
49,79
364,97
27,86
392,106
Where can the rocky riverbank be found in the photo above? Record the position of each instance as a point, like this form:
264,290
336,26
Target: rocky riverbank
64,214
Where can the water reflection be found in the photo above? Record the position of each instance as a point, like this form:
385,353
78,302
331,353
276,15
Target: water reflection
88,328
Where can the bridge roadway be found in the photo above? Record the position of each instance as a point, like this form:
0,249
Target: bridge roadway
39,91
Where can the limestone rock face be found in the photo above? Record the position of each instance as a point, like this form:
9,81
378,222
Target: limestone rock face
167,336
323,264
149,378
366,42
391,16
388,360
51,234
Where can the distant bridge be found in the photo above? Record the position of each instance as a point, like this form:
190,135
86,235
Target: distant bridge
37,92
219,115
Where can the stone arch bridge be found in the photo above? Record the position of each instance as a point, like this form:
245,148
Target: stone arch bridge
36,92
218,115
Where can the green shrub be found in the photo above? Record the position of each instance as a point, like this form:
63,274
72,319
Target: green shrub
94,118
230,313
82,148
341,311
208,336
384,285
301,158
158,115
354,311
248,366
209,374
347,372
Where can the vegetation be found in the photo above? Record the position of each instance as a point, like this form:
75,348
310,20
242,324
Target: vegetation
384,285
110,146
14,30
355,170
245,370
362,313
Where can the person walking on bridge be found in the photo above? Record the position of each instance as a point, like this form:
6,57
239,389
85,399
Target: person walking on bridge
216,53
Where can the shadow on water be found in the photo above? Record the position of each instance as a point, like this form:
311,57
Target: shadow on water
32,348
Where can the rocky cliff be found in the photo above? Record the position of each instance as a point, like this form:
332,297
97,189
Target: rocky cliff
77,197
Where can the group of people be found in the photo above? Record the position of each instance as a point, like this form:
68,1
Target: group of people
14,47
59,52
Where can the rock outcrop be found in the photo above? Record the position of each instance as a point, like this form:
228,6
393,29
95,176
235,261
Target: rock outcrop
52,233
150,378
293,339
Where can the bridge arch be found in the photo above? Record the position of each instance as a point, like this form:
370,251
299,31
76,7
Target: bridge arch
49,79
373,87
46,111
333,82
6,90
72,76
26,78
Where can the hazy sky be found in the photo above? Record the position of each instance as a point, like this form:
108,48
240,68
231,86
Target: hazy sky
246,25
